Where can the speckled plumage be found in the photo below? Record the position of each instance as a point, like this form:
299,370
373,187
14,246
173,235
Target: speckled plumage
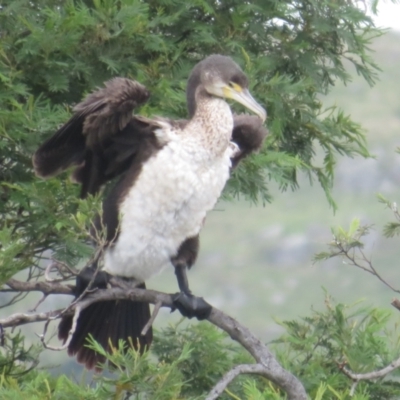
176,188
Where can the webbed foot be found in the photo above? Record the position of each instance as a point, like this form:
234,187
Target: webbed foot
191,306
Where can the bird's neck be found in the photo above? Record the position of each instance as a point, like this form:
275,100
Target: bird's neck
212,122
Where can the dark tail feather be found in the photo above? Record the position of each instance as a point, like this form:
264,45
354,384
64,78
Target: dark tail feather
107,322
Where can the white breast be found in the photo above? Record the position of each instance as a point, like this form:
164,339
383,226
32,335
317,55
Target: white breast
166,205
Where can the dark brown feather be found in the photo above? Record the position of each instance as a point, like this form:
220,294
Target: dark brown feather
64,149
108,322
92,137
106,141
126,150
108,111
145,146
249,134
187,252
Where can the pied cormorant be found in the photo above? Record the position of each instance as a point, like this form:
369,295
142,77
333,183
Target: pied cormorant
171,173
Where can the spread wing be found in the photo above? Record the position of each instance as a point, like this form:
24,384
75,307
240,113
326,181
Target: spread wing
101,138
249,134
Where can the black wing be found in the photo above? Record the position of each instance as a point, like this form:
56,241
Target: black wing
249,134
100,138
103,140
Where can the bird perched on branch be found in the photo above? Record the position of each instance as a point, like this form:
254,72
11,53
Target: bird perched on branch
171,174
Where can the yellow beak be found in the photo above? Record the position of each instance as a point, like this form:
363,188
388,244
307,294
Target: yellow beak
244,97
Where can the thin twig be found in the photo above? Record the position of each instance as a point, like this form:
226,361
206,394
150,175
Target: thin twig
369,268
71,332
41,300
59,266
47,271
152,319
219,388
353,388
374,374
18,297
95,260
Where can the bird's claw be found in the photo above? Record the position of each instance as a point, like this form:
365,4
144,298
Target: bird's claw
191,306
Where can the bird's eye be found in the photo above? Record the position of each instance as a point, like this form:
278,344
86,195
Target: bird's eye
235,86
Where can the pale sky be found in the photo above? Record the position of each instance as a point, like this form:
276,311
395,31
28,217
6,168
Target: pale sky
388,15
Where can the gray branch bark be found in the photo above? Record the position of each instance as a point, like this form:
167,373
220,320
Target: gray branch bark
39,286
232,374
266,364
373,374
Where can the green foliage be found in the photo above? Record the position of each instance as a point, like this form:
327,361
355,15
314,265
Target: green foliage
344,242
139,376
15,360
391,229
52,53
348,243
210,356
315,349
186,362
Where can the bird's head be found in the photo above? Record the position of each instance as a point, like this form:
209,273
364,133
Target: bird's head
221,76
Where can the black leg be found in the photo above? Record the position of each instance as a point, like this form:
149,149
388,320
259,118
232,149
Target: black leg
181,276
189,306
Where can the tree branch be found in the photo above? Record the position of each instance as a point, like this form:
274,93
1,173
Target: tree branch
374,374
357,262
266,366
40,286
218,389
22,318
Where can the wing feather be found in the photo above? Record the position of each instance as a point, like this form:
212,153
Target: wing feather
65,148
103,138
100,137
249,134
109,110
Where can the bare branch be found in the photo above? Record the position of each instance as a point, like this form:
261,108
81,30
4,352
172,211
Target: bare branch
22,319
353,388
273,370
44,287
47,271
71,332
374,374
41,300
218,389
358,262
61,268
261,354
266,362
18,297
152,319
